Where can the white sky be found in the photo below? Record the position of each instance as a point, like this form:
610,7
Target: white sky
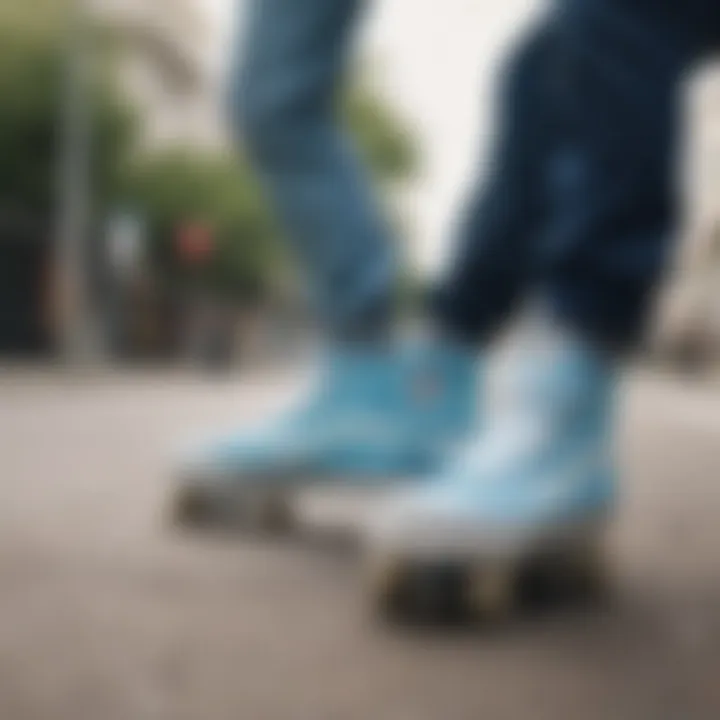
435,61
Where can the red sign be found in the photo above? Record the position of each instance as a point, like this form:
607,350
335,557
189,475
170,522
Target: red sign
194,243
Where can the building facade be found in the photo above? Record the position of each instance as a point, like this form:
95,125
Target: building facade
166,68
689,318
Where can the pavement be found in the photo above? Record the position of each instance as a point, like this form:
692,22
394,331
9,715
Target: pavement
108,614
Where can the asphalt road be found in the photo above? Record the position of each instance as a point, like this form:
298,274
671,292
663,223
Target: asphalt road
107,615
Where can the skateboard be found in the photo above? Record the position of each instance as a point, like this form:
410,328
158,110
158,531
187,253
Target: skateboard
262,509
486,589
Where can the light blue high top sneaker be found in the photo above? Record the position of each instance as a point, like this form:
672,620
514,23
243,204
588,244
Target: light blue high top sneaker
540,476
377,414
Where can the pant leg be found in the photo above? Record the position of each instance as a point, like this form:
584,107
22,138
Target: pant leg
499,233
580,203
284,93
615,203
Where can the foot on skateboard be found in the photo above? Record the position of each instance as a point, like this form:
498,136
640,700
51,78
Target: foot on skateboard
376,416
521,515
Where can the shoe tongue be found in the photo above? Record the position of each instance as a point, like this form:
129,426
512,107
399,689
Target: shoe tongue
552,376
510,442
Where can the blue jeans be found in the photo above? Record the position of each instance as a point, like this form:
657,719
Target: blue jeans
578,206
284,97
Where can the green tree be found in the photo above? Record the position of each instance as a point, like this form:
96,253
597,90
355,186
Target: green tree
169,188
33,61
179,186
385,142
175,187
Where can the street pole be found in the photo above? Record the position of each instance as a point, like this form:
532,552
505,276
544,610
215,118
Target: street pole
78,345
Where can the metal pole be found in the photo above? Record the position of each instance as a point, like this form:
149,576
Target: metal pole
73,196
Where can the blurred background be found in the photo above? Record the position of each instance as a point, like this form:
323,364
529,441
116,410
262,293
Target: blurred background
132,229
136,247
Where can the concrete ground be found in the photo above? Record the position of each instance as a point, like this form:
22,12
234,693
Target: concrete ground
105,614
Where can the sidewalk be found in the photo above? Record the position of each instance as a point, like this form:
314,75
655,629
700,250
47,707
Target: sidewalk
106,613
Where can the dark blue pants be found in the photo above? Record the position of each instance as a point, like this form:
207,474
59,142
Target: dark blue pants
578,205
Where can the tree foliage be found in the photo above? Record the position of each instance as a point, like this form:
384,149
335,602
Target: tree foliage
168,188
34,48
384,141
179,187
220,192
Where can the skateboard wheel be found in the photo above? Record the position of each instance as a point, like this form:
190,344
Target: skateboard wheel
433,592
386,579
490,591
592,575
484,591
191,508
271,514
198,507
565,576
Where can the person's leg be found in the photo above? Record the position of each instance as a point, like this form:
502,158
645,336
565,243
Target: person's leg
540,481
284,99
495,248
528,499
579,203
615,200
378,410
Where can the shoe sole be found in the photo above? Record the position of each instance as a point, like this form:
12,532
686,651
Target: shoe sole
280,509
485,587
